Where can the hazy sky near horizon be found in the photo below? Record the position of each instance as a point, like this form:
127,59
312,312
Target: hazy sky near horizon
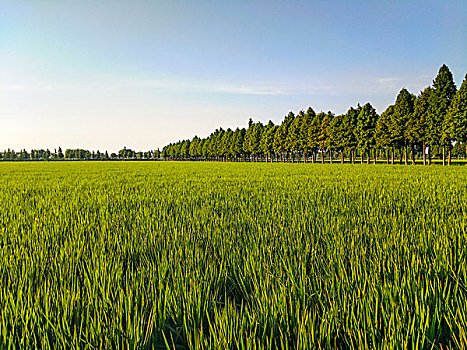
107,74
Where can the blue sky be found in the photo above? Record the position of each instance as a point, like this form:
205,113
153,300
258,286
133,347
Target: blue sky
140,74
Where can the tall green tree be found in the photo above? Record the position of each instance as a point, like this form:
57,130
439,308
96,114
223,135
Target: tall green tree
267,140
293,135
279,141
337,135
314,133
236,148
285,125
366,125
304,129
444,90
403,109
383,133
349,125
195,147
418,124
185,149
325,136
248,142
456,120
225,142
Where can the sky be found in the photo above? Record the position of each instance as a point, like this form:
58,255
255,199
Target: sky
102,75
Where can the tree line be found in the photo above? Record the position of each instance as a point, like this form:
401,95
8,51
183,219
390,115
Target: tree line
78,154
432,124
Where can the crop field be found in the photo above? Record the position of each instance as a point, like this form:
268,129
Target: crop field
142,255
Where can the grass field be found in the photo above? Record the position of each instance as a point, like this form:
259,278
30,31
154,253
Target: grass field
238,256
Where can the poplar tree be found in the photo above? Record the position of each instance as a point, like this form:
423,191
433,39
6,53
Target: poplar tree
247,142
383,132
267,139
337,135
403,109
279,141
289,118
444,90
314,132
325,136
418,123
304,128
236,147
349,124
457,115
293,135
366,125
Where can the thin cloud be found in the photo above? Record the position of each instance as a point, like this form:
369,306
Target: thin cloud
413,84
249,90
244,89
163,85
387,80
388,83
11,87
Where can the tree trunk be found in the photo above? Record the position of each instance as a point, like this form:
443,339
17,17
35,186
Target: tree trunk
400,156
368,157
405,152
444,155
322,156
361,157
330,156
342,157
392,155
413,154
429,155
449,154
424,155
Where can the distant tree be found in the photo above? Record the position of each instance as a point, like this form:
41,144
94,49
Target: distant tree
314,133
349,125
288,143
304,130
403,109
456,119
366,125
279,141
444,90
324,136
224,144
236,148
184,149
337,132
267,140
194,147
418,124
383,134
292,140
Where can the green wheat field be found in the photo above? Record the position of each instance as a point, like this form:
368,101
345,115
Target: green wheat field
188,255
